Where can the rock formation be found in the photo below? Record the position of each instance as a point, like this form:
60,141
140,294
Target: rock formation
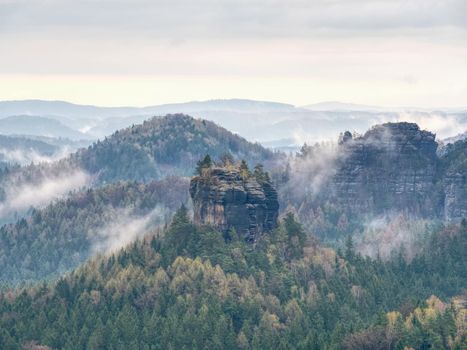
391,167
453,167
455,201
228,198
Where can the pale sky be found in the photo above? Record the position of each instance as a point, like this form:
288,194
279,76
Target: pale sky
146,52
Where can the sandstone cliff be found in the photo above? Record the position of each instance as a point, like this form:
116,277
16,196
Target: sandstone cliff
391,167
455,202
227,199
453,164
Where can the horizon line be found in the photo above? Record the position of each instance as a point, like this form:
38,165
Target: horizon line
365,106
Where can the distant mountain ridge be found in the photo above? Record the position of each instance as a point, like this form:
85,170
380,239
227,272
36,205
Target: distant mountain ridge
261,121
58,108
37,125
342,106
63,108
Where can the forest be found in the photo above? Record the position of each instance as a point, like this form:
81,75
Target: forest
192,287
159,147
70,228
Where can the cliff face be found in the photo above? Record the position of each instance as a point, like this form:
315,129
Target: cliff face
225,200
455,202
391,167
453,163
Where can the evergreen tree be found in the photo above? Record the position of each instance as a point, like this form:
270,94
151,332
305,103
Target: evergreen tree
244,171
205,163
260,174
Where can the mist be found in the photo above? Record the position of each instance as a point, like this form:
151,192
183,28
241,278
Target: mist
22,196
27,156
386,235
444,125
122,226
313,168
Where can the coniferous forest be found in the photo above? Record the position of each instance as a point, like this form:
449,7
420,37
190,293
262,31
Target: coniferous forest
192,287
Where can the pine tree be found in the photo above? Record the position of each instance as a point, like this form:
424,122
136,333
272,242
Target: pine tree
261,175
244,171
205,163
349,248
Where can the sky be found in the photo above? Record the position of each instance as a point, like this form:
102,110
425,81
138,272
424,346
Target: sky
147,52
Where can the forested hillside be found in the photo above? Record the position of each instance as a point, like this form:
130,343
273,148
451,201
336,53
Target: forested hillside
194,288
17,143
24,150
61,236
163,146
157,148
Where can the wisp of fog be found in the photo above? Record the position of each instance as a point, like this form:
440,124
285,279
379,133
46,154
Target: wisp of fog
29,194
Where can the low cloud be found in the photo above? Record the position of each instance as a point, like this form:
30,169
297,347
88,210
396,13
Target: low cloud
310,172
256,18
28,194
444,125
385,235
123,227
28,156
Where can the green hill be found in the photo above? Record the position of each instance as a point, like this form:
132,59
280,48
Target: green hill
163,146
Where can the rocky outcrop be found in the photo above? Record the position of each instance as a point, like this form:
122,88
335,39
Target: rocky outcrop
391,167
455,201
453,167
227,199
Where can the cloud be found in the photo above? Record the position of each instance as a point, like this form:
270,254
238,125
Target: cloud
27,156
123,227
28,194
444,125
258,18
385,235
309,174
313,172
294,51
